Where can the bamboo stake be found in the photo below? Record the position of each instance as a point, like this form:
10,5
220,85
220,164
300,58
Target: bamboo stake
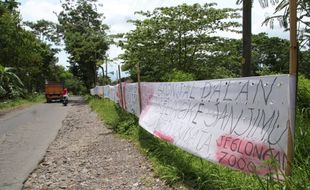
293,73
293,37
106,70
139,88
120,85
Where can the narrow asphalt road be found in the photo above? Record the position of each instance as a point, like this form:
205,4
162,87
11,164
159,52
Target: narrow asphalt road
24,138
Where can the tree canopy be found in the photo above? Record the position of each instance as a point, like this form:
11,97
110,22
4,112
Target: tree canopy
170,44
31,59
183,38
85,37
270,55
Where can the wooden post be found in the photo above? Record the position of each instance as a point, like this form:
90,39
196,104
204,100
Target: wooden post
120,85
106,70
293,74
139,87
103,77
293,37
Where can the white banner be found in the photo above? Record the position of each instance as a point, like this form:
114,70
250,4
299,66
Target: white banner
92,92
111,93
239,123
99,90
131,99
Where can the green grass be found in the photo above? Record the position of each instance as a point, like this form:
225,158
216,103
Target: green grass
179,167
12,104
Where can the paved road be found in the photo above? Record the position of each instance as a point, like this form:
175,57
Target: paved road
24,137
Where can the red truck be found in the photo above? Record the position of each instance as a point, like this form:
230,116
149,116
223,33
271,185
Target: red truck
53,91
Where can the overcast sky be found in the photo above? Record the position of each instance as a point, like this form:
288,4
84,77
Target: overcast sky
117,12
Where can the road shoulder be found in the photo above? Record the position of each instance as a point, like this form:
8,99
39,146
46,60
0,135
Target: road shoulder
87,155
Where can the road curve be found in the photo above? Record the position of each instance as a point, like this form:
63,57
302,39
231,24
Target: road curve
24,137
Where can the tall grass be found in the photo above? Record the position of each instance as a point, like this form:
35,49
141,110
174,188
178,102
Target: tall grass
14,103
177,166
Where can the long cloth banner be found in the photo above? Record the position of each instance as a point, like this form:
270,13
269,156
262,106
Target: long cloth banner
239,123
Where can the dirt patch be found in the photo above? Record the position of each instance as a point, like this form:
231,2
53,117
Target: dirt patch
87,155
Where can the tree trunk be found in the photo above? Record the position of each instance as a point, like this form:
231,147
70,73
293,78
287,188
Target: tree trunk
246,38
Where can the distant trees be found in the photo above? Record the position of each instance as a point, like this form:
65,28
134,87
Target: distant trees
181,43
183,39
31,59
304,63
73,83
46,31
170,43
270,55
85,38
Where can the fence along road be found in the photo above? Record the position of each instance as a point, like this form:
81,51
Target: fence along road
24,137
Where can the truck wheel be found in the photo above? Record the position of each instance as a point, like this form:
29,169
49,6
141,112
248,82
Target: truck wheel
48,101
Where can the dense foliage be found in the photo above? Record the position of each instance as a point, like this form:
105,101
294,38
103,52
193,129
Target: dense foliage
183,38
24,58
270,55
73,83
10,84
85,38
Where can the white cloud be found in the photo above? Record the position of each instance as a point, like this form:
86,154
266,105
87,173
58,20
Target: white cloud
33,10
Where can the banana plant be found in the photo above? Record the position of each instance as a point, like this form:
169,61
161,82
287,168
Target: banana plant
10,84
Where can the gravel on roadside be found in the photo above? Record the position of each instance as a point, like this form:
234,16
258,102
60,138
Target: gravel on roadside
87,155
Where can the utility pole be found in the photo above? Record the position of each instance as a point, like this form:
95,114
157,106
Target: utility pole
246,38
